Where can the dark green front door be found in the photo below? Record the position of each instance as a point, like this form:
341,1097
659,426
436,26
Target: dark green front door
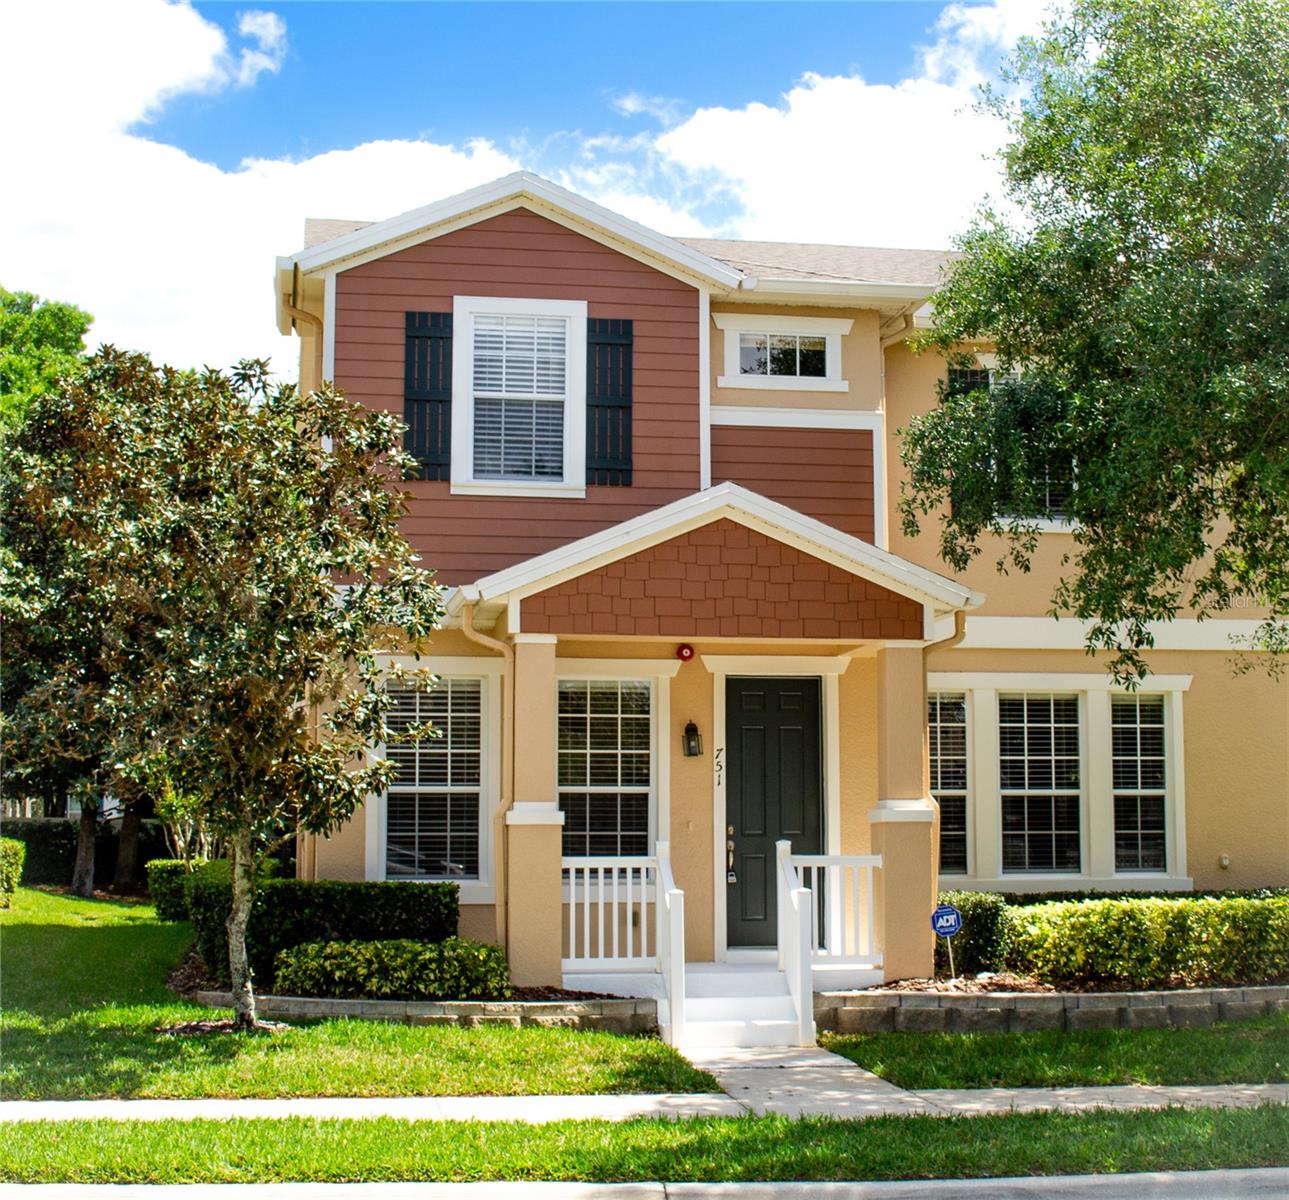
774,792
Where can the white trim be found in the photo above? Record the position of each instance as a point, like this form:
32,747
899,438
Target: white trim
768,665
745,507
784,383
329,327
534,812
890,812
1049,633
755,290
1048,681
489,669
464,310
534,639
616,668
797,418
1175,782
790,323
830,698
704,388
476,204
720,773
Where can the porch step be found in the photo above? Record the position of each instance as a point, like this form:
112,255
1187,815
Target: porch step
717,1034
728,1004
719,980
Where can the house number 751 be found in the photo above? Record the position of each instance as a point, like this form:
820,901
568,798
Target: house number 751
719,763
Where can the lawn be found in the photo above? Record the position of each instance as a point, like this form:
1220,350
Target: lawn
83,992
1239,1052
738,1148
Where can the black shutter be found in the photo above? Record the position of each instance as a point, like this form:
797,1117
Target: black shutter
608,402
427,393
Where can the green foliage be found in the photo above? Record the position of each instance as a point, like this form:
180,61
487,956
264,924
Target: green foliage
1143,290
41,341
51,848
454,969
1153,943
981,944
13,854
166,878
288,912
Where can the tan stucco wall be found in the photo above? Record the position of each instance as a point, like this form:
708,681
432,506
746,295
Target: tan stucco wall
861,363
1236,737
857,691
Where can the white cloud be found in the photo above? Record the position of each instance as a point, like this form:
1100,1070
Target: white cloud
175,256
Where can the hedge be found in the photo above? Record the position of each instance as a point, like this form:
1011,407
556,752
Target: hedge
981,944
12,854
166,878
400,969
51,848
289,912
1145,943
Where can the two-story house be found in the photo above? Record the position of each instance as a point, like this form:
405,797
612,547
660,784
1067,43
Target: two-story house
708,718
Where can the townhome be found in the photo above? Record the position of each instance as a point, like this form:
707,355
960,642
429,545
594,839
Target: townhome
712,725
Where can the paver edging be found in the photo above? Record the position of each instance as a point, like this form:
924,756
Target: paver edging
874,1010
616,1016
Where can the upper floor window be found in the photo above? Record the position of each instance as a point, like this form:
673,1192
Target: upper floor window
519,396
782,352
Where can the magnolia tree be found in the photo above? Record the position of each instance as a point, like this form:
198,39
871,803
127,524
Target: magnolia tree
263,544
1139,286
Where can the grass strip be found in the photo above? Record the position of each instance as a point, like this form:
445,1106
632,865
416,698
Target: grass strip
701,1149
1254,1051
83,993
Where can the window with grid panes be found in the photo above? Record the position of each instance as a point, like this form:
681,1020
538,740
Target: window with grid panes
1140,795
947,728
520,390
605,766
1039,782
432,807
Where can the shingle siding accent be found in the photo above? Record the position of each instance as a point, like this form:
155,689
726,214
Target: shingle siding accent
722,580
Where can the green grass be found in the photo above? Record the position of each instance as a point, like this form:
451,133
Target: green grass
1238,1052
82,993
766,1148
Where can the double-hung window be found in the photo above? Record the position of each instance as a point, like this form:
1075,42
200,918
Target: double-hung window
1039,782
519,396
947,727
606,768
432,807
1140,787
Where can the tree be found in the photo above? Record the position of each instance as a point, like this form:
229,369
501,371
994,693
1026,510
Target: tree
40,341
1141,290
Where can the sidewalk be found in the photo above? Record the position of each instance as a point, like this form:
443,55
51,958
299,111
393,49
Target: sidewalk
807,1082
1162,1185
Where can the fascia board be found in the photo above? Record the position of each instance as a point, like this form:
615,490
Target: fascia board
855,291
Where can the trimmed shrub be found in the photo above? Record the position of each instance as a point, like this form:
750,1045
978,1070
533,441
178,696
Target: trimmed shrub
290,912
51,849
1153,942
454,969
1025,899
981,945
166,878
12,855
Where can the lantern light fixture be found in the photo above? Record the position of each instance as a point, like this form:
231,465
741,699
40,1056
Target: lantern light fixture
692,741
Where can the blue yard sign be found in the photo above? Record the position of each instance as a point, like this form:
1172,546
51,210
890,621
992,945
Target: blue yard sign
946,921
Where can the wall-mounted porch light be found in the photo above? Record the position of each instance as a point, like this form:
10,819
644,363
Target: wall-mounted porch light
692,741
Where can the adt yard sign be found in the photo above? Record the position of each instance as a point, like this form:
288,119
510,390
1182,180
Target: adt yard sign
946,921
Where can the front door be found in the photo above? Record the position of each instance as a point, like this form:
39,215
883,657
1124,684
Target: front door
774,792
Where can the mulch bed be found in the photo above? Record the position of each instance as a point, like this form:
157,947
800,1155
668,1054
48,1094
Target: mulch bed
201,1028
190,976
1001,981
554,993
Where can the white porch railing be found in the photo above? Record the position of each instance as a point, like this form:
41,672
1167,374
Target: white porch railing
841,909
795,905
610,905
627,914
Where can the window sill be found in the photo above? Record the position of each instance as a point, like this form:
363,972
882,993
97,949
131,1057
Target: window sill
503,487
782,383
1044,524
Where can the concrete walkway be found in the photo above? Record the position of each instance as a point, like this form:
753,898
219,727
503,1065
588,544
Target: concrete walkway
1162,1185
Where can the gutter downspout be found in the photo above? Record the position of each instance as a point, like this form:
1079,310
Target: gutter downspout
298,315
906,327
507,653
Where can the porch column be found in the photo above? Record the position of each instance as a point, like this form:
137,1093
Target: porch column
903,821
534,825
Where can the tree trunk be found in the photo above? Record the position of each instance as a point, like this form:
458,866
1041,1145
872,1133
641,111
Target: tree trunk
238,968
126,878
83,871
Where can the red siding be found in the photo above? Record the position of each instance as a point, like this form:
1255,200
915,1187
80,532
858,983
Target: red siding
723,580
521,254
824,473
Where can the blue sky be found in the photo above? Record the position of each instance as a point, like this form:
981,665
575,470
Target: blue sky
180,145
356,71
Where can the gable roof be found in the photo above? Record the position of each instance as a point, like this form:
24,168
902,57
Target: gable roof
839,264
725,500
